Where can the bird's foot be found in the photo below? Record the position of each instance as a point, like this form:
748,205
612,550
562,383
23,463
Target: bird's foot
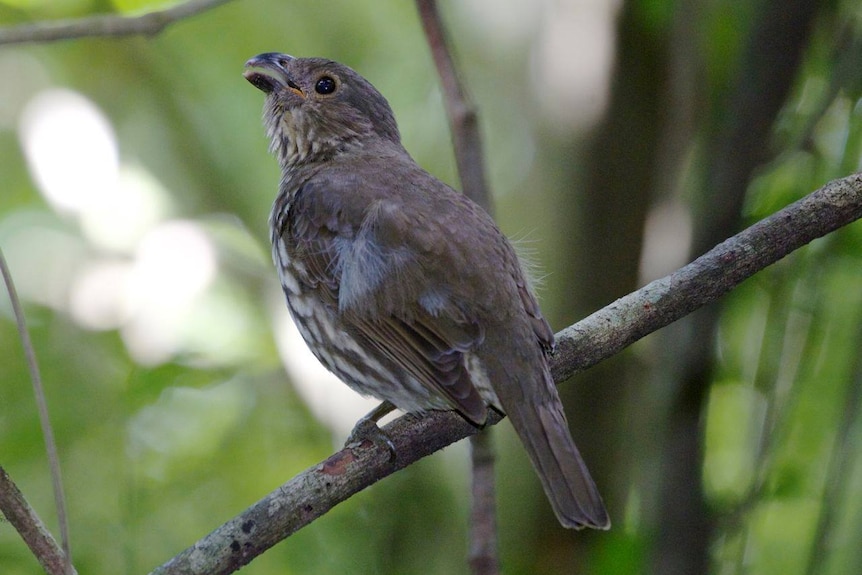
367,429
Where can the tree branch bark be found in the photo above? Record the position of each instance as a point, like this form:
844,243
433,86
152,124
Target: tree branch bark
111,25
582,345
463,120
47,433
484,557
34,533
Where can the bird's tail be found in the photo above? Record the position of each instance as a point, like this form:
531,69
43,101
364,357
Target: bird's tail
542,428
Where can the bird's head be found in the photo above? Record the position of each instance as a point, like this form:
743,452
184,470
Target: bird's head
316,108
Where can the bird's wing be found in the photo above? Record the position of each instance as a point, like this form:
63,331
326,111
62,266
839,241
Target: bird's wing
374,283
541,328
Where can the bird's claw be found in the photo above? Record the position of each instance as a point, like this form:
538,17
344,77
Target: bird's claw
367,429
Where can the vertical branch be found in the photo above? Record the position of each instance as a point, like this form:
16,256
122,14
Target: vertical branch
42,404
463,120
483,520
464,125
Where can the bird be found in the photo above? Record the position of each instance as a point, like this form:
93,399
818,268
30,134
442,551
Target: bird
402,286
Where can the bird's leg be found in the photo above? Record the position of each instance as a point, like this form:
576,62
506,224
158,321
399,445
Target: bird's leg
367,428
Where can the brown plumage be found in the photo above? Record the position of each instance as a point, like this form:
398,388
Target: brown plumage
400,285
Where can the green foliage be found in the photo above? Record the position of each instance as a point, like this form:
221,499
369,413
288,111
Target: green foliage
165,375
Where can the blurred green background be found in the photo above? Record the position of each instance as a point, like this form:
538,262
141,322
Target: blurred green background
622,139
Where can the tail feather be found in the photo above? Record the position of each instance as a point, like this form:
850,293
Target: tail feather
571,491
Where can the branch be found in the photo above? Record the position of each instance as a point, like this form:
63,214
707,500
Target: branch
463,120
467,144
605,333
112,25
22,517
484,558
42,406
620,324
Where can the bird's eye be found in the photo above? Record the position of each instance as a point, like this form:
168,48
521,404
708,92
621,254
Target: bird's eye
325,85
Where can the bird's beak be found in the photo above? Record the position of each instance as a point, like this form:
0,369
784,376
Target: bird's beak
269,72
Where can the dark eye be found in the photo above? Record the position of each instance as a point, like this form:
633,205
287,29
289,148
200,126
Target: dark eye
325,85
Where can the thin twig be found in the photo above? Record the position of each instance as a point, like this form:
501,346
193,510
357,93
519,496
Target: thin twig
600,336
34,533
463,120
109,25
467,142
484,559
42,404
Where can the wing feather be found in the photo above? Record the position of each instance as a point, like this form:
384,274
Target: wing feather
354,271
